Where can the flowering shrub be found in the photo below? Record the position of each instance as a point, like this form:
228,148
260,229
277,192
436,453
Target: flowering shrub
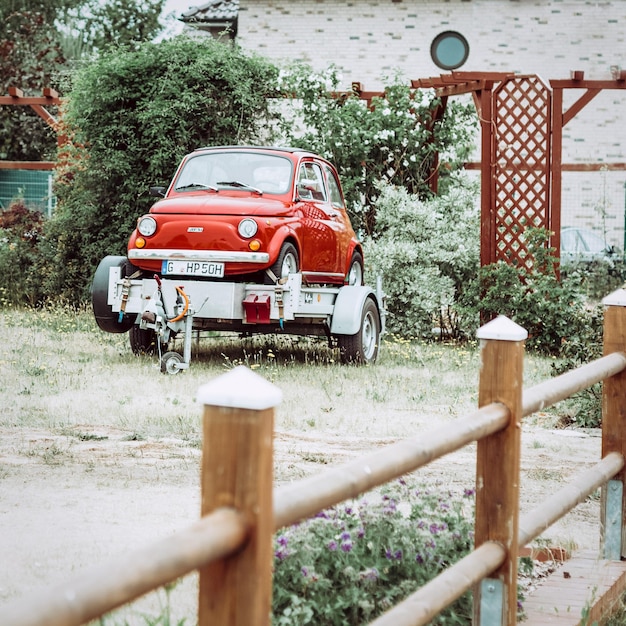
351,563
426,252
397,139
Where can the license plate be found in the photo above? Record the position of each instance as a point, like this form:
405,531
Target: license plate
206,269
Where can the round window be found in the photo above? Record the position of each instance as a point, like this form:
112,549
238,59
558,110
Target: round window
449,50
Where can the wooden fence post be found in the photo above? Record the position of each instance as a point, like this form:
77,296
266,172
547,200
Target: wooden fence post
237,471
613,508
497,468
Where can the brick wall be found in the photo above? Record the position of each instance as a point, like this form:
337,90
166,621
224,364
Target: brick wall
370,40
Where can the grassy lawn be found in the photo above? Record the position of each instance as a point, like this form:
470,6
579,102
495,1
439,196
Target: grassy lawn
60,370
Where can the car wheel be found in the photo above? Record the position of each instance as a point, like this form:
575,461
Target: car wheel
144,341
355,273
106,318
287,262
362,348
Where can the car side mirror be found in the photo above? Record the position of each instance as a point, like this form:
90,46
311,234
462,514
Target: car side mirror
157,192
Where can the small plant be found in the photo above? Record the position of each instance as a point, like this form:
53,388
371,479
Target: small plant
371,554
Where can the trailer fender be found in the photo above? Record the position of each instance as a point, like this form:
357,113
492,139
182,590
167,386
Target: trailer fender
348,308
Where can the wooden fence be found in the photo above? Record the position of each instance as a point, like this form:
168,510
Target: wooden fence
231,545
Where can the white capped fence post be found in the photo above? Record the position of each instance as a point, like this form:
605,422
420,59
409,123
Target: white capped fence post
613,509
237,463
497,468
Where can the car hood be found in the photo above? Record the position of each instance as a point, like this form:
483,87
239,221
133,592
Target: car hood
220,204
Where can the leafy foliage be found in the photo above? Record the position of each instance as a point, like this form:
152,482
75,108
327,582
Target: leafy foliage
20,232
351,563
39,38
132,116
426,251
119,22
395,139
29,56
535,298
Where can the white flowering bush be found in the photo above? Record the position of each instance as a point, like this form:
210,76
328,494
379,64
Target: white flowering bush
427,253
393,140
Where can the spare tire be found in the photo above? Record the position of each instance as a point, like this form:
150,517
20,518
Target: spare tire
106,318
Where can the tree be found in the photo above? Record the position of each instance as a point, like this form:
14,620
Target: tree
132,116
38,39
98,25
29,56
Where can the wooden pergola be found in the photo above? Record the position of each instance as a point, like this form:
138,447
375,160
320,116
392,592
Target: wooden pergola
522,121
49,97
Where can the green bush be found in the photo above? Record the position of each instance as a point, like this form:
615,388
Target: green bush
426,252
352,563
551,310
132,115
20,236
583,344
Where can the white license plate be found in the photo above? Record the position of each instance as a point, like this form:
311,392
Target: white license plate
206,269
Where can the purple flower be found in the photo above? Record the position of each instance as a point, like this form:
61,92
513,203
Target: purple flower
348,510
332,546
395,556
345,535
304,571
360,533
434,529
431,544
282,540
419,558
322,514
421,524
281,554
469,492
390,507
346,546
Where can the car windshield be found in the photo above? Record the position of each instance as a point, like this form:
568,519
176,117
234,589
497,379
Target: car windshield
264,173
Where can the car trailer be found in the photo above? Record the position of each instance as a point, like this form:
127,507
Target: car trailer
155,309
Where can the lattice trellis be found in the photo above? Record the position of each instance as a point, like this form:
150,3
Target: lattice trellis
521,145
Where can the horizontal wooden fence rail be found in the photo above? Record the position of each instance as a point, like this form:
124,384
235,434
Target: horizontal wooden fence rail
231,544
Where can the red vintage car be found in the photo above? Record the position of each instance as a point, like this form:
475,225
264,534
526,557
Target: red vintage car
250,214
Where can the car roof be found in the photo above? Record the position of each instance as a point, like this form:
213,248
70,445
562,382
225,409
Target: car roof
261,148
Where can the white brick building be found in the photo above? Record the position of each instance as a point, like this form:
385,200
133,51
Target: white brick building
370,40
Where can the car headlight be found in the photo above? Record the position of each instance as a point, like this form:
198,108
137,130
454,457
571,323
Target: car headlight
147,226
247,228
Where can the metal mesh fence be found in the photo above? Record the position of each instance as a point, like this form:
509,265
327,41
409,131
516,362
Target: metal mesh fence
34,187
596,201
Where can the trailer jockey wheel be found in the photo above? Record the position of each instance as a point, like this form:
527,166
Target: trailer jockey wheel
170,362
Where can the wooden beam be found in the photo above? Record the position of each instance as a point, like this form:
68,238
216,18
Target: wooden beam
27,165
582,102
587,84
